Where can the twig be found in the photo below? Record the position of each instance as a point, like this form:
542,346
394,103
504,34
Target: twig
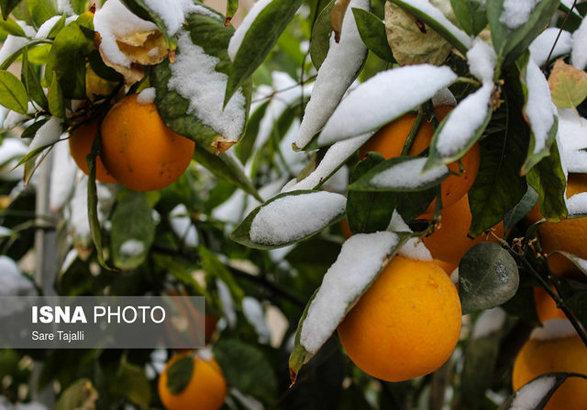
276,92
560,32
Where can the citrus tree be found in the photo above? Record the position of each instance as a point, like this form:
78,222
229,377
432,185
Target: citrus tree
384,203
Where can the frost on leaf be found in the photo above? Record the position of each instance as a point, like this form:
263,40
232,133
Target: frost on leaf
383,98
361,259
579,53
481,59
337,72
542,45
568,85
409,43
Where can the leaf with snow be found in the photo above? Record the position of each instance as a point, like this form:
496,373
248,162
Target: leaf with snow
384,98
190,92
47,135
577,205
361,259
482,61
255,37
568,85
289,218
372,31
340,68
539,112
403,174
321,33
573,141
181,224
540,49
471,15
579,263
433,17
579,52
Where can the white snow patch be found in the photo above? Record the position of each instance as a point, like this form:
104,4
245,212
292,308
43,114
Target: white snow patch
541,46
464,121
517,12
337,72
114,21
48,134
47,26
336,155
11,151
572,137
14,43
195,78
227,302
253,311
577,204
489,322
294,160
339,181
554,329
531,394
4,232
64,6
539,108
147,96
408,174
232,209
414,248
383,98
294,217
360,260
239,35
182,226
579,53
12,281
63,173
132,248
481,58
174,12
266,192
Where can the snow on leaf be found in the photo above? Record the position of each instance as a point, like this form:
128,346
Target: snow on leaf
414,248
47,135
63,173
577,205
542,45
489,322
147,96
481,58
553,329
517,12
337,72
383,98
173,12
568,85
579,53
291,217
182,225
239,35
335,156
12,281
531,395
402,174
573,141
359,262
433,17
14,43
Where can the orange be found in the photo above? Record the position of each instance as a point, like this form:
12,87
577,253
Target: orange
567,354
389,142
406,325
567,235
81,141
206,390
450,241
139,150
546,306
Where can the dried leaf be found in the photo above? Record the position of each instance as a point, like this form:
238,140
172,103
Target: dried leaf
337,17
568,85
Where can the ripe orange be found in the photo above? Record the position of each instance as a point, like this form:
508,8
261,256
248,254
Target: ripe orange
450,241
139,150
546,306
406,325
389,142
206,390
568,235
80,146
567,354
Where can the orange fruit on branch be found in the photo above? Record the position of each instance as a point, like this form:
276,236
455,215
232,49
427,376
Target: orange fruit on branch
81,141
406,325
139,150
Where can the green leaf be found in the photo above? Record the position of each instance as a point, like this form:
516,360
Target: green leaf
213,267
11,27
258,41
130,382
244,148
56,101
242,232
95,229
548,179
12,93
488,277
471,15
41,10
80,395
321,32
179,374
133,230
231,8
7,6
30,78
372,31
522,208
246,368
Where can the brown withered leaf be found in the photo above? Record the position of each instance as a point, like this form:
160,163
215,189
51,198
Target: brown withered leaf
568,85
337,17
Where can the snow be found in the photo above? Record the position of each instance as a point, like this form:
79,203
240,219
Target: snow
531,394
4,232
408,175
132,248
540,110
64,6
11,149
294,217
336,155
266,192
253,311
383,98
338,182
572,135
174,12
14,43
577,204
114,21
517,12
414,248
195,78
63,174
481,58
48,134
147,96
437,15
489,322
12,281
360,260
464,121
232,209
579,53
294,160
541,46
242,30
47,26
182,226
553,329
227,303
337,72
444,97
